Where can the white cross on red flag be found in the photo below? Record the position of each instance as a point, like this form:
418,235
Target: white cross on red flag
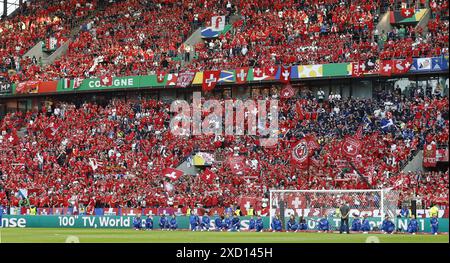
241,75
386,67
351,147
160,76
287,92
208,176
172,173
106,81
285,74
237,164
210,79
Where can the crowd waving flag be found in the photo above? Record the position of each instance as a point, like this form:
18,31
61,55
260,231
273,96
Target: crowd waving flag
237,164
287,92
300,153
208,176
172,173
351,147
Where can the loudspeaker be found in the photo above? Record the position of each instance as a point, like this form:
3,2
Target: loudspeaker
414,208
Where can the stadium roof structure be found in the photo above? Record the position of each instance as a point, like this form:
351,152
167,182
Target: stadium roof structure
9,6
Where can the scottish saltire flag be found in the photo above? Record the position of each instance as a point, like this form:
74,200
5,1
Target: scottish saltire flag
23,193
227,76
386,123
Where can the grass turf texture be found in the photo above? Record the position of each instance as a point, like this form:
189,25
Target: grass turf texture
57,235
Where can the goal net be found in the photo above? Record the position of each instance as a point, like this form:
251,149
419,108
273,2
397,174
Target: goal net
315,204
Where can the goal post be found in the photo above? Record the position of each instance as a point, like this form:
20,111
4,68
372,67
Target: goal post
314,204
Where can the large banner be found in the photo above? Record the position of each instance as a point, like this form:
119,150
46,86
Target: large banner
225,76
124,222
429,155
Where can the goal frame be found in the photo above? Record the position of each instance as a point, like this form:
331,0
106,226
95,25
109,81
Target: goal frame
337,191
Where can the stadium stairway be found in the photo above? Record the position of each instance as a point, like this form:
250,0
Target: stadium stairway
196,37
48,58
385,25
415,164
187,167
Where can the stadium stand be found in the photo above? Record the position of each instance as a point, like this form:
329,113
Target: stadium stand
112,154
299,32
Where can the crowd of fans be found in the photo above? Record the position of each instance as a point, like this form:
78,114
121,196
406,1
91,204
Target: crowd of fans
113,155
143,37
37,21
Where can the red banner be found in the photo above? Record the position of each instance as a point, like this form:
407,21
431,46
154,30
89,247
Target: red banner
300,153
429,155
442,155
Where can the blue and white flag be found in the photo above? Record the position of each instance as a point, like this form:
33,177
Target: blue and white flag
23,193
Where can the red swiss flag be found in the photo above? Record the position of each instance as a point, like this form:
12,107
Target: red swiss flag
237,164
208,176
357,70
241,75
210,79
386,67
258,72
106,81
287,92
11,138
270,71
351,147
285,74
160,76
407,12
172,173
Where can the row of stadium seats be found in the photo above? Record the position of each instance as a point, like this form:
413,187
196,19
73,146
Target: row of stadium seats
113,155
138,37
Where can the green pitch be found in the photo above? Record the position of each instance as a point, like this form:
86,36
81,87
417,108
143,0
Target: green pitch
58,235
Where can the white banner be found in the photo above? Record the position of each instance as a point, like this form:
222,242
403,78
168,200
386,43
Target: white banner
218,23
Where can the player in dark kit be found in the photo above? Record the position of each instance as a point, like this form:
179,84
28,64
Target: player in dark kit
149,223
137,222
205,222
173,225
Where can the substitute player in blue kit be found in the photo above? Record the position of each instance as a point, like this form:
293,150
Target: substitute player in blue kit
365,225
205,222
259,224
137,222
324,225
173,225
356,224
434,221
413,225
252,224
387,226
149,223
276,224
292,224
194,221
235,224
163,222
218,222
